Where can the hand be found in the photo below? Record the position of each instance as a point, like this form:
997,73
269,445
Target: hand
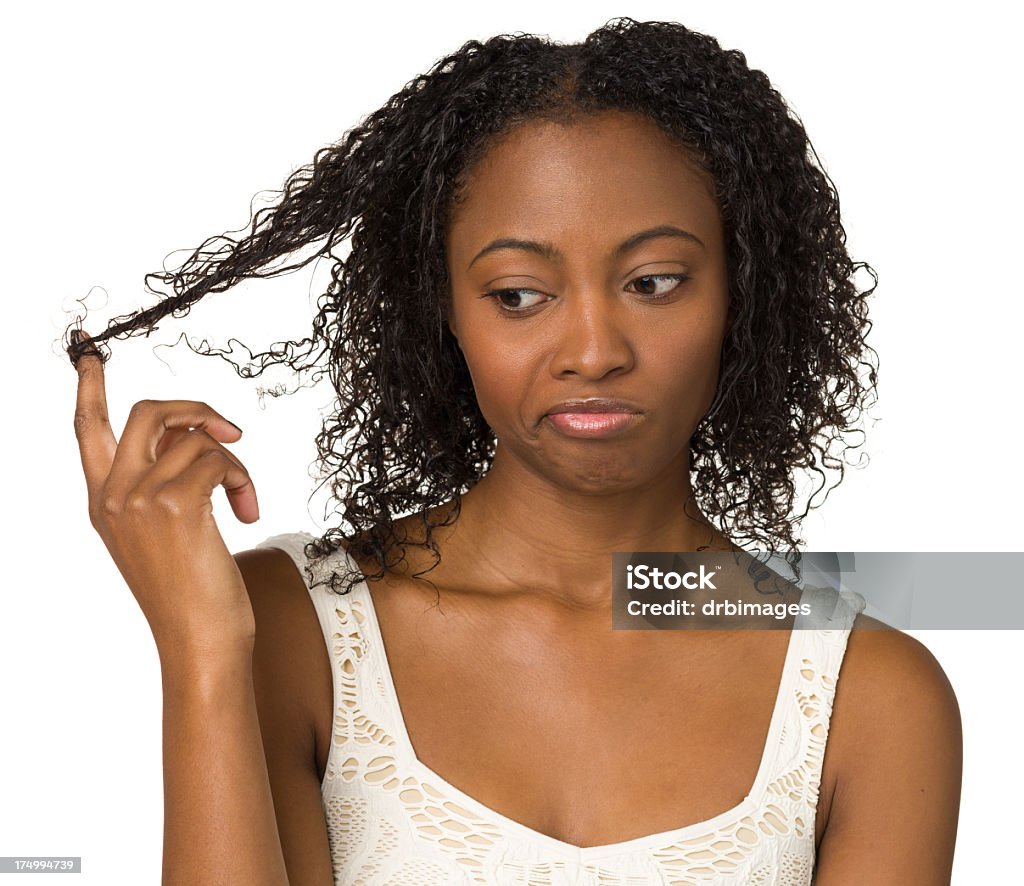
150,501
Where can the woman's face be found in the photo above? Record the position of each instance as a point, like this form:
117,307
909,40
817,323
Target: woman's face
587,260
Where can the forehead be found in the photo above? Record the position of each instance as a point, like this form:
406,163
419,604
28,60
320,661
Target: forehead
614,170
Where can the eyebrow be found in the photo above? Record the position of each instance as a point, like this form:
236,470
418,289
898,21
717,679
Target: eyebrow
548,250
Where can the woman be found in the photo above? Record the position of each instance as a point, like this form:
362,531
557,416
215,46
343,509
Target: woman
598,299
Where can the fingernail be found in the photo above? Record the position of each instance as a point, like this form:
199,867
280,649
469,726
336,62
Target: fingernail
80,335
236,427
76,337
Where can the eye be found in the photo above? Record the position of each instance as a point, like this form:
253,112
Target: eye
513,294
657,285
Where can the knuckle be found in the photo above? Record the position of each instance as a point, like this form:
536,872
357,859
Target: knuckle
109,507
136,503
141,407
214,454
194,441
168,501
232,460
83,421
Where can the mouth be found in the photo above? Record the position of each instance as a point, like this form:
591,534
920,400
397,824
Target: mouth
592,418
592,424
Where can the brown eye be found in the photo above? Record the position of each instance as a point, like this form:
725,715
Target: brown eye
515,298
658,284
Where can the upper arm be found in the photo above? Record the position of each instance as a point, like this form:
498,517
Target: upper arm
289,656
894,812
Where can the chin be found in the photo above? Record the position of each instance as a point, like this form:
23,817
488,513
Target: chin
599,476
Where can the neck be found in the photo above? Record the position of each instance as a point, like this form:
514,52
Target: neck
522,534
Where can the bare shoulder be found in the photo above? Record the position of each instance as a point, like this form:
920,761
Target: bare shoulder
278,592
893,671
898,756
290,660
292,681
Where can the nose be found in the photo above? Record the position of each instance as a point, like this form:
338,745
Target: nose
592,336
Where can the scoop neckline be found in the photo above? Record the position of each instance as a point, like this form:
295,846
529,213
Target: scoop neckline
749,803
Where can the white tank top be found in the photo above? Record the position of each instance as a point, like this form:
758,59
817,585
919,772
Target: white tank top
392,820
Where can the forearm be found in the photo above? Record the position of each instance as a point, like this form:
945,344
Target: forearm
219,821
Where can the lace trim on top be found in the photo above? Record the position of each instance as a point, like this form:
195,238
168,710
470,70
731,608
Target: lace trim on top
391,819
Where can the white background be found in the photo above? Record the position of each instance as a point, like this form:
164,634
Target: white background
133,130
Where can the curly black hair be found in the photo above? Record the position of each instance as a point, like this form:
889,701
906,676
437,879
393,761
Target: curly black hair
407,434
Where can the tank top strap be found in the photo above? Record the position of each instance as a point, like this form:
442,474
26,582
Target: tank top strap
363,716
819,642
314,573
830,608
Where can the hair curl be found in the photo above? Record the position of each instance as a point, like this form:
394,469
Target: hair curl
407,434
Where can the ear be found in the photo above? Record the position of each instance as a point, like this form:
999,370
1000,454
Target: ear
450,320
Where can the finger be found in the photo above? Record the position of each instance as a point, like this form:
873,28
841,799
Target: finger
213,468
169,439
96,441
147,424
176,459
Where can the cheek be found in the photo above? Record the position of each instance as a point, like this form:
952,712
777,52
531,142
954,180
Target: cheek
501,376
685,363
694,355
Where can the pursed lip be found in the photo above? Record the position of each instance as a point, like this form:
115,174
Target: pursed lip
593,404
